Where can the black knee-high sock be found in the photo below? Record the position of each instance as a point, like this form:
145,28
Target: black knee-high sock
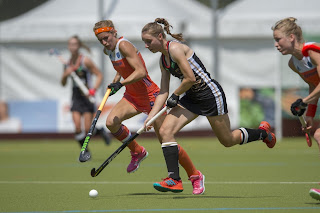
171,155
249,135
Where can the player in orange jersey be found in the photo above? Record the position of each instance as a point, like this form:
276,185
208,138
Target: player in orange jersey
139,96
305,61
202,96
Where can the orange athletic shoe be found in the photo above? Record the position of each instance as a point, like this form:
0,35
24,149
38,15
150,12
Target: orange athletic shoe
169,184
270,140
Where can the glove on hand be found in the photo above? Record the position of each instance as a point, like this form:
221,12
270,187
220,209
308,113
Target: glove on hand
298,107
115,87
92,92
173,101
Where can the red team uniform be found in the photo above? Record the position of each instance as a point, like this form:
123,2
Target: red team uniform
306,69
141,94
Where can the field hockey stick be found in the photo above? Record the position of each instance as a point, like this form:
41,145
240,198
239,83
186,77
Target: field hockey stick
73,75
95,172
93,125
307,134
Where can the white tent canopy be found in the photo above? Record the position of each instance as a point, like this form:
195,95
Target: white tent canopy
57,20
254,18
28,73
247,55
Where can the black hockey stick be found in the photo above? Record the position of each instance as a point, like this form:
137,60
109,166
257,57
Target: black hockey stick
82,157
95,172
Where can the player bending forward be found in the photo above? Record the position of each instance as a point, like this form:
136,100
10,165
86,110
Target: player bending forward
203,96
139,96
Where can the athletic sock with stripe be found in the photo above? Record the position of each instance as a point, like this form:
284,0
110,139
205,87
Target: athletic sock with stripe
171,155
249,135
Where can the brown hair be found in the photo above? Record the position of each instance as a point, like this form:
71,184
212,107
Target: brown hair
288,26
155,29
81,44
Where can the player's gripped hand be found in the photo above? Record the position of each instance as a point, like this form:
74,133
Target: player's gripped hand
147,128
309,121
173,100
115,87
68,71
298,107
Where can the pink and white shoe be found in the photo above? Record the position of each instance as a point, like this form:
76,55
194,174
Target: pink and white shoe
315,193
136,159
197,183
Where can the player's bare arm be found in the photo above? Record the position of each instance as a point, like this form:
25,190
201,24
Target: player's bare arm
116,78
164,89
163,94
65,75
94,69
130,53
178,54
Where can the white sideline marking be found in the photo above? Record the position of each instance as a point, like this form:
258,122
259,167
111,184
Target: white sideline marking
124,182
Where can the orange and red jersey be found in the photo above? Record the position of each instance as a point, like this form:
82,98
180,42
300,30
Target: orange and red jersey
306,68
141,91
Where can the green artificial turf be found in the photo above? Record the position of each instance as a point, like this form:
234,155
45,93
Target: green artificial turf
45,176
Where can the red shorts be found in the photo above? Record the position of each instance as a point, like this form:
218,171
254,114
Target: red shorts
142,103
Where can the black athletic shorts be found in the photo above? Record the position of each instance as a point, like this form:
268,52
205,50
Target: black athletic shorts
81,103
213,106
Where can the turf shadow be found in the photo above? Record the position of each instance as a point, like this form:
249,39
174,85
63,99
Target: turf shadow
230,197
174,196
143,194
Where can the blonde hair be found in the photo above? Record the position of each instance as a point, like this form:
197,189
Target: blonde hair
104,23
289,26
81,44
154,28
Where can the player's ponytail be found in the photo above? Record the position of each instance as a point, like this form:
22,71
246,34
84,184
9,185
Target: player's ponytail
167,26
155,28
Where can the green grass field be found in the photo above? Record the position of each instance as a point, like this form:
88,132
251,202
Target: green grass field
45,176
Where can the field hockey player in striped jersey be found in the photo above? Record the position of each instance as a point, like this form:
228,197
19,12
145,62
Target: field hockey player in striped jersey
82,109
139,95
305,61
202,96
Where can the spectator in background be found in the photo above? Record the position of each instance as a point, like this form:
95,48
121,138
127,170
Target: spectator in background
7,123
82,108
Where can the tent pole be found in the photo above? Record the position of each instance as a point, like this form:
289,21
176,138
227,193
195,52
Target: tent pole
278,95
102,55
215,45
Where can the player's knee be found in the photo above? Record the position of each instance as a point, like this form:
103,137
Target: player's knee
112,122
165,132
227,144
